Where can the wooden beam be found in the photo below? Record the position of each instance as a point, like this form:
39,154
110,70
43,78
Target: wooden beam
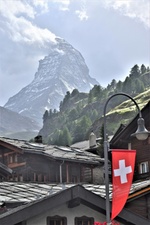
11,147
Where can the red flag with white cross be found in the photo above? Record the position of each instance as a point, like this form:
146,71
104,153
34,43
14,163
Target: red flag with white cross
123,162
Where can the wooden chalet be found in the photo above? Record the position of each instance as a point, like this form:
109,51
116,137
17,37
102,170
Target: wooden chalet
69,204
35,162
123,140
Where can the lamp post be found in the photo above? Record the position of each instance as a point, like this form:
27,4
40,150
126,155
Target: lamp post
141,134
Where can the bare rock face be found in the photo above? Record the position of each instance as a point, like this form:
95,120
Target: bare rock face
64,69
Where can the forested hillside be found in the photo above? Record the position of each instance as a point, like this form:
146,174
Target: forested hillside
80,113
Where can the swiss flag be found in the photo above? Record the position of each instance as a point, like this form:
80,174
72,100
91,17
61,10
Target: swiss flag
123,162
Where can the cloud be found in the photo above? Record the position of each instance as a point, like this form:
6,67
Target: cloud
82,12
43,5
136,9
18,19
26,34
9,8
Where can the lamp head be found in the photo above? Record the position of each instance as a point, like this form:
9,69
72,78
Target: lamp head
142,133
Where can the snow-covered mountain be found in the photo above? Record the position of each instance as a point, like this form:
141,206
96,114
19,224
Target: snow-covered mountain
64,69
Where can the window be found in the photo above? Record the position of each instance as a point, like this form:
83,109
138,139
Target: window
84,220
143,167
13,158
10,159
86,174
56,220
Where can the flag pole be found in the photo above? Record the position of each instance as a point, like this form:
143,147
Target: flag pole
140,134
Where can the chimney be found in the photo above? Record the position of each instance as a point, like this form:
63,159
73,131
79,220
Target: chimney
38,139
92,140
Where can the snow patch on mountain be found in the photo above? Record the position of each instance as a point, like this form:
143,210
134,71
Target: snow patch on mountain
64,69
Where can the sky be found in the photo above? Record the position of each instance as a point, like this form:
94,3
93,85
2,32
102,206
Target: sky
111,35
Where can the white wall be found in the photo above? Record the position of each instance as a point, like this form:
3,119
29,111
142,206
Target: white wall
70,213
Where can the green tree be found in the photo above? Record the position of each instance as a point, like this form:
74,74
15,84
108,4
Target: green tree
97,91
127,85
74,92
148,69
45,116
55,111
50,113
61,106
90,97
73,114
65,101
119,86
143,69
65,137
113,85
94,115
139,86
81,129
135,72
54,138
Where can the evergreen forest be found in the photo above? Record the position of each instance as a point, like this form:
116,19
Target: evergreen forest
80,113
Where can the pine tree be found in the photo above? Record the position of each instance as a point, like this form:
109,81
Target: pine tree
143,69
45,116
65,137
135,72
74,92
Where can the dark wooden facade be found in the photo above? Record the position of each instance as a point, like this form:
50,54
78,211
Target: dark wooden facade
34,166
140,204
41,169
123,140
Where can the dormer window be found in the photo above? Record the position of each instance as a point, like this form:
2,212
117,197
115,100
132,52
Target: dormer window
143,167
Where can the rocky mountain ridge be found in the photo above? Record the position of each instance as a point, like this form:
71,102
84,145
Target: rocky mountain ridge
64,69
11,123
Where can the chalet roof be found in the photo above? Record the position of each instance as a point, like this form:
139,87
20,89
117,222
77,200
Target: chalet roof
28,192
54,152
88,194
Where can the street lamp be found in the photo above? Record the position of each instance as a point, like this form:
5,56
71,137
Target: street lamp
141,134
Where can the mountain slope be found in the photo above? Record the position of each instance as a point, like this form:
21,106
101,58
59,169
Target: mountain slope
81,114
63,70
121,114
11,123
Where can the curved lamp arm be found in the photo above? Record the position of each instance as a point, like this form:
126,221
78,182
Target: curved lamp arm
141,133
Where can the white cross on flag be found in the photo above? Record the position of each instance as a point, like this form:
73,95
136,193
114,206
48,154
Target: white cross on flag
123,162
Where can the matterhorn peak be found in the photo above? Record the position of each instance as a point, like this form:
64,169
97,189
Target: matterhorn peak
62,70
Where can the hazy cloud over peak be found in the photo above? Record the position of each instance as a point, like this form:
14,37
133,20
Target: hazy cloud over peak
17,16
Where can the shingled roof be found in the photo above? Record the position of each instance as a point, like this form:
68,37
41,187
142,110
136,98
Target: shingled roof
36,198
52,151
